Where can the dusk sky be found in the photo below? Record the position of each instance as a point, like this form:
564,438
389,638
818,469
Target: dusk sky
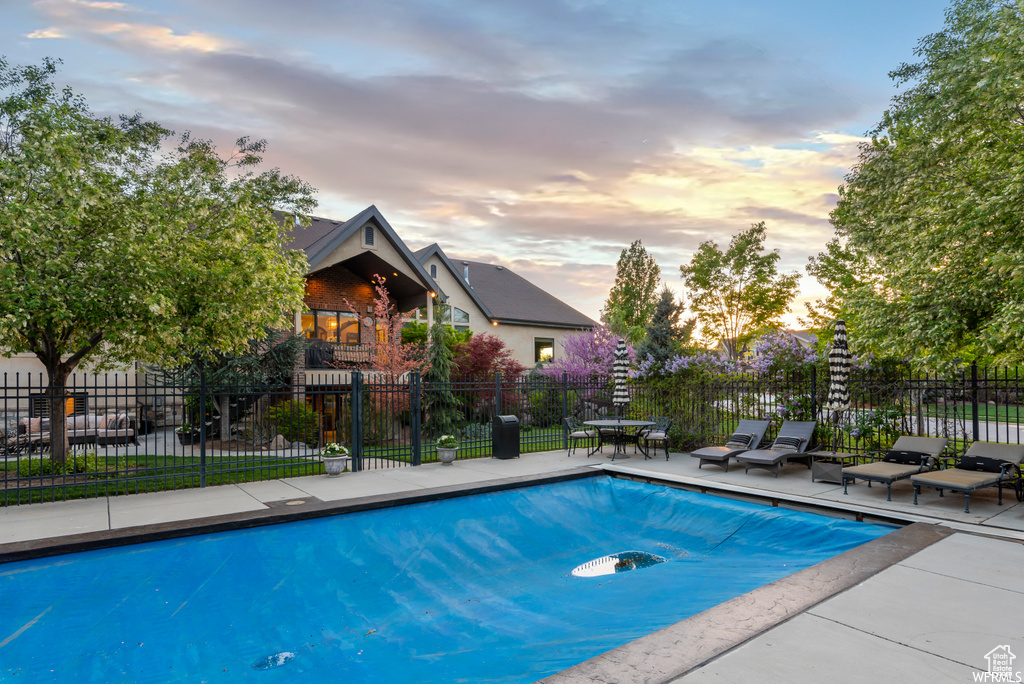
544,135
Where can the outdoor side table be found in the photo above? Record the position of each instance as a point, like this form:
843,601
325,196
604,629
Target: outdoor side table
828,467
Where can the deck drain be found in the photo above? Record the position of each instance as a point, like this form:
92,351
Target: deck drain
623,561
274,660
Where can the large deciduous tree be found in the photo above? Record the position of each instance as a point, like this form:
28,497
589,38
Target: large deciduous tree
931,215
738,293
112,250
634,295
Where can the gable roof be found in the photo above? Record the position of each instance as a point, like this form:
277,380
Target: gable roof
322,236
506,297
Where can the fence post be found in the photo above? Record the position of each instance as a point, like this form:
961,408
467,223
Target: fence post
202,428
357,421
565,409
974,399
414,417
497,393
814,393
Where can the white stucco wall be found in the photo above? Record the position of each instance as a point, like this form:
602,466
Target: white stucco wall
518,338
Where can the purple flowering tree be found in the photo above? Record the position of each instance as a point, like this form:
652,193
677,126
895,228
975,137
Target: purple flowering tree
586,354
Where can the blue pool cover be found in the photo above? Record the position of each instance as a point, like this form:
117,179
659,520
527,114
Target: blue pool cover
473,589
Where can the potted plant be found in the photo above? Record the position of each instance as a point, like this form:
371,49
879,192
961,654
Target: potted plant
335,458
187,434
447,448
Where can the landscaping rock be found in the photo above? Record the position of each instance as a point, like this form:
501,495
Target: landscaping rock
279,442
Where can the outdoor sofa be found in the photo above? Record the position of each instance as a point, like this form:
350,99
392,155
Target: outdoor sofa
102,430
748,435
789,446
909,456
986,464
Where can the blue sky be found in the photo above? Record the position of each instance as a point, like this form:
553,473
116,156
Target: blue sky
545,135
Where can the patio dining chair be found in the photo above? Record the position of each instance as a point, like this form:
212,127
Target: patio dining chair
656,434
577,432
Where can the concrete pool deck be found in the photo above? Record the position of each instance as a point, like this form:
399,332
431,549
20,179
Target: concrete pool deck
935,614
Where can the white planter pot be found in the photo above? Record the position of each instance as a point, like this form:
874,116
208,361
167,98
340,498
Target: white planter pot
446,456
335,465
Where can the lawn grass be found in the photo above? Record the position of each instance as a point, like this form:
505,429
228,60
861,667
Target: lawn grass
1001,414
136,474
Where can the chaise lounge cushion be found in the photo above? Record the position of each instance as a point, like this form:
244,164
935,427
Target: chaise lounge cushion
883,471
955,478
740,440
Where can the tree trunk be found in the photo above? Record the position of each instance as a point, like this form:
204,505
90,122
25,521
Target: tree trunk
224,405
57,394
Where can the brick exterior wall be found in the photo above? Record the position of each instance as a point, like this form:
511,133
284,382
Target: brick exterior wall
329,289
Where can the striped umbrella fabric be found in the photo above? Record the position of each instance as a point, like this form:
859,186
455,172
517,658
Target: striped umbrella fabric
620,371
839,372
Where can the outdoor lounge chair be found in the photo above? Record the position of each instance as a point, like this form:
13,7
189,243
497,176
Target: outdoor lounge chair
656,434
748,435
789,446
986,464
577,433
909,456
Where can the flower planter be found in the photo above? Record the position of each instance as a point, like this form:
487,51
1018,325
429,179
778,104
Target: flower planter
446,456
188,438
192,436
335,465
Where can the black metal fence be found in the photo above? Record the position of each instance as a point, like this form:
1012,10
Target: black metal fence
126,434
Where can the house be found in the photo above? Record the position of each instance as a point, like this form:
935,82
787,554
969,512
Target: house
487,298
343,259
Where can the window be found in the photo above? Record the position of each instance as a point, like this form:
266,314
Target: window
368,232
336,327
433,270
543,349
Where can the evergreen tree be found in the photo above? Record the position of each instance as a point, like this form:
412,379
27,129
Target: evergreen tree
665,336
441,407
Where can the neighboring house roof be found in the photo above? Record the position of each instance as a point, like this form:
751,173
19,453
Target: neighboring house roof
506,297
322,236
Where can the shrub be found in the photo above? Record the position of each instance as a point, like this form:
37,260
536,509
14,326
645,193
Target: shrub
476,431
296,421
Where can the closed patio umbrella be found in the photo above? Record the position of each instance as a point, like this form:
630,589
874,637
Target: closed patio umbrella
620,371
839,378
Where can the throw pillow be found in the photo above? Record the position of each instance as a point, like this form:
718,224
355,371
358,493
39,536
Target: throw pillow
739,440
787,443
122,421
110,421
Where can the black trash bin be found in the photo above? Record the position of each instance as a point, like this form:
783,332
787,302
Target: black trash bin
505,437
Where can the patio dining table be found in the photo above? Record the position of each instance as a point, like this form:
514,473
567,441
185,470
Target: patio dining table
620,427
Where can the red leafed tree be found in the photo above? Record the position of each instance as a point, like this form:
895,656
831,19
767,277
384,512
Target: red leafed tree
483,355
388,356
390,360
479,358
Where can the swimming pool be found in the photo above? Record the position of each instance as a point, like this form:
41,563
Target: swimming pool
475,589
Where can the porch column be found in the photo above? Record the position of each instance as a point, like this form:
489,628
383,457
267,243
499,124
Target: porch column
430,312
298,322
